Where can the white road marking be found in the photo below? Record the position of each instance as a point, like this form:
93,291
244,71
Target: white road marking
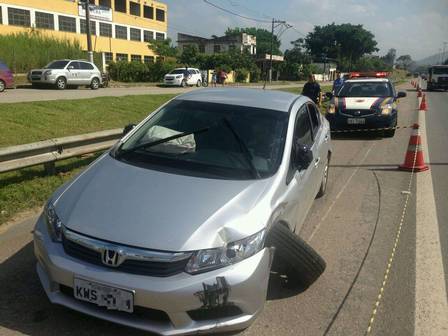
340,193
431,305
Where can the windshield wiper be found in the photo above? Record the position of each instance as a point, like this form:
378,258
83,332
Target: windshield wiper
161,141
244,149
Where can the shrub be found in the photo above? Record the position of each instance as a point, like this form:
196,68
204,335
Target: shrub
139,72
241,75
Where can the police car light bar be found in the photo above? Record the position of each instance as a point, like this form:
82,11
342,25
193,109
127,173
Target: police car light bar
377,74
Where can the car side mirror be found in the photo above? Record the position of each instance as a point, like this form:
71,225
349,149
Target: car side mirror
401,94
128,128
70,67
303,156
329,95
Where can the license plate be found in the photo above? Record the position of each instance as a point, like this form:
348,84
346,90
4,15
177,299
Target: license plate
104,296
356,121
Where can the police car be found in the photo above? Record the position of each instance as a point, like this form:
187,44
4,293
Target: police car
365,101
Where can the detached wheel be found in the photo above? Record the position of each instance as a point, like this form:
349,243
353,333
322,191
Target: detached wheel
95,84
303,264
61,83
2,86
323,185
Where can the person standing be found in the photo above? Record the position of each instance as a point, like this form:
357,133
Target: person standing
311,89
337,84
214,78
223,77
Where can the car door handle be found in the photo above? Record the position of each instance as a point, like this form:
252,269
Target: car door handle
316,162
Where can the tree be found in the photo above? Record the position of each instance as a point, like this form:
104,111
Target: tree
389,58
163,48
189,56
404,62
371,63
345,43
263,39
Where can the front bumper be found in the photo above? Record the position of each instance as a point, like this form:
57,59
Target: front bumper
340,122
42,79
173,82
174,297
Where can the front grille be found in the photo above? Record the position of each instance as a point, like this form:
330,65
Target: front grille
140,267
204,314
37,73
358,113
141,312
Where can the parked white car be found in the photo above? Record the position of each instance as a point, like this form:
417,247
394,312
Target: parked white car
183,77
63,73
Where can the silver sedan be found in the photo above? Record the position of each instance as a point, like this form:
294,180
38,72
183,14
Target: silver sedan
174,229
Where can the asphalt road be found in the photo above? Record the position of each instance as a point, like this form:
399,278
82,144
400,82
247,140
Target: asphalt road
353,227
32,94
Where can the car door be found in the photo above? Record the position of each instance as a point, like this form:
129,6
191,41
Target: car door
300,189
320,148
73,69
86,73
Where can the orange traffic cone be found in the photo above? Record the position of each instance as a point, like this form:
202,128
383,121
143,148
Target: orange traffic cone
423,105
413,160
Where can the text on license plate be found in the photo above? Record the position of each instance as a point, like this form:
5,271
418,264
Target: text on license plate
356,121
103,296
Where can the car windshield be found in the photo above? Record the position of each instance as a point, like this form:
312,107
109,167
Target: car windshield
177,72
57,65
365,89
440,71
223,141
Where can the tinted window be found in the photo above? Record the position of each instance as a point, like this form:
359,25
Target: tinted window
302,129
135,34
86,66
44,20
67,24
136,58
19,17
365,89
121,32
148,12
105,29
440,71
57,65
160,15
160,36
75,65
84,27
134,8
314,117
148,59
122,57
216,150
108,57
120,6
148,36
105,3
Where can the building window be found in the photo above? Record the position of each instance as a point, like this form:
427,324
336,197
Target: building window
134,8
120,6
160,15
148,36
108,57
136,58
148,59
160,36
19,17
148,12
202,48
105,29
84,26
121,32
44,20
67,24
217,48
105,3
122,57
135,34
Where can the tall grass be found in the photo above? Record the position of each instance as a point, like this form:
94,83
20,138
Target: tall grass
28,50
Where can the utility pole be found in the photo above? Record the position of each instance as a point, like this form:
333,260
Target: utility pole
444,58
269,72
88,33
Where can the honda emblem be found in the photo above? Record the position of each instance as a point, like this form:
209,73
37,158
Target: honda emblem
110,258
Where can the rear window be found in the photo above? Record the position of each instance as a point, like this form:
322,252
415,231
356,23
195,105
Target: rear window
440,71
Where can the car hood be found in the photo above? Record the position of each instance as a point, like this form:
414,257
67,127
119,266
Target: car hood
363,103
130,205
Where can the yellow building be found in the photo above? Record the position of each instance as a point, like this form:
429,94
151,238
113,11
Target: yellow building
121,29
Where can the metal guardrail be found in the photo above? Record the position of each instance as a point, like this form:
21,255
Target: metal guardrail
49,151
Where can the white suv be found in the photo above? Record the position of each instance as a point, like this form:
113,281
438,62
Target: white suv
183,77
62,73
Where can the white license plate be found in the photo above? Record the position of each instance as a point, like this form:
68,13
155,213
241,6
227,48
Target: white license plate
356,121
104,296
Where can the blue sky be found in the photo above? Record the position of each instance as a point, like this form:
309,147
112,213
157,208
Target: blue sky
413,27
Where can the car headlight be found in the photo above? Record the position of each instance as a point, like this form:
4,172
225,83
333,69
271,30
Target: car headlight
386,109
54,224
211,259
47,73
179,76
331,108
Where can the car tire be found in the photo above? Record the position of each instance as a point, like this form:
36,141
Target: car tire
2,86
199,83
303,265
183,83
323,185
61,83
95,84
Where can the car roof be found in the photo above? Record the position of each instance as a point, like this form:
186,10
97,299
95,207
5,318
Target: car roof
258,98
187,69
367,79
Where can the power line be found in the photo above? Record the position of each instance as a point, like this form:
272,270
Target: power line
235,14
